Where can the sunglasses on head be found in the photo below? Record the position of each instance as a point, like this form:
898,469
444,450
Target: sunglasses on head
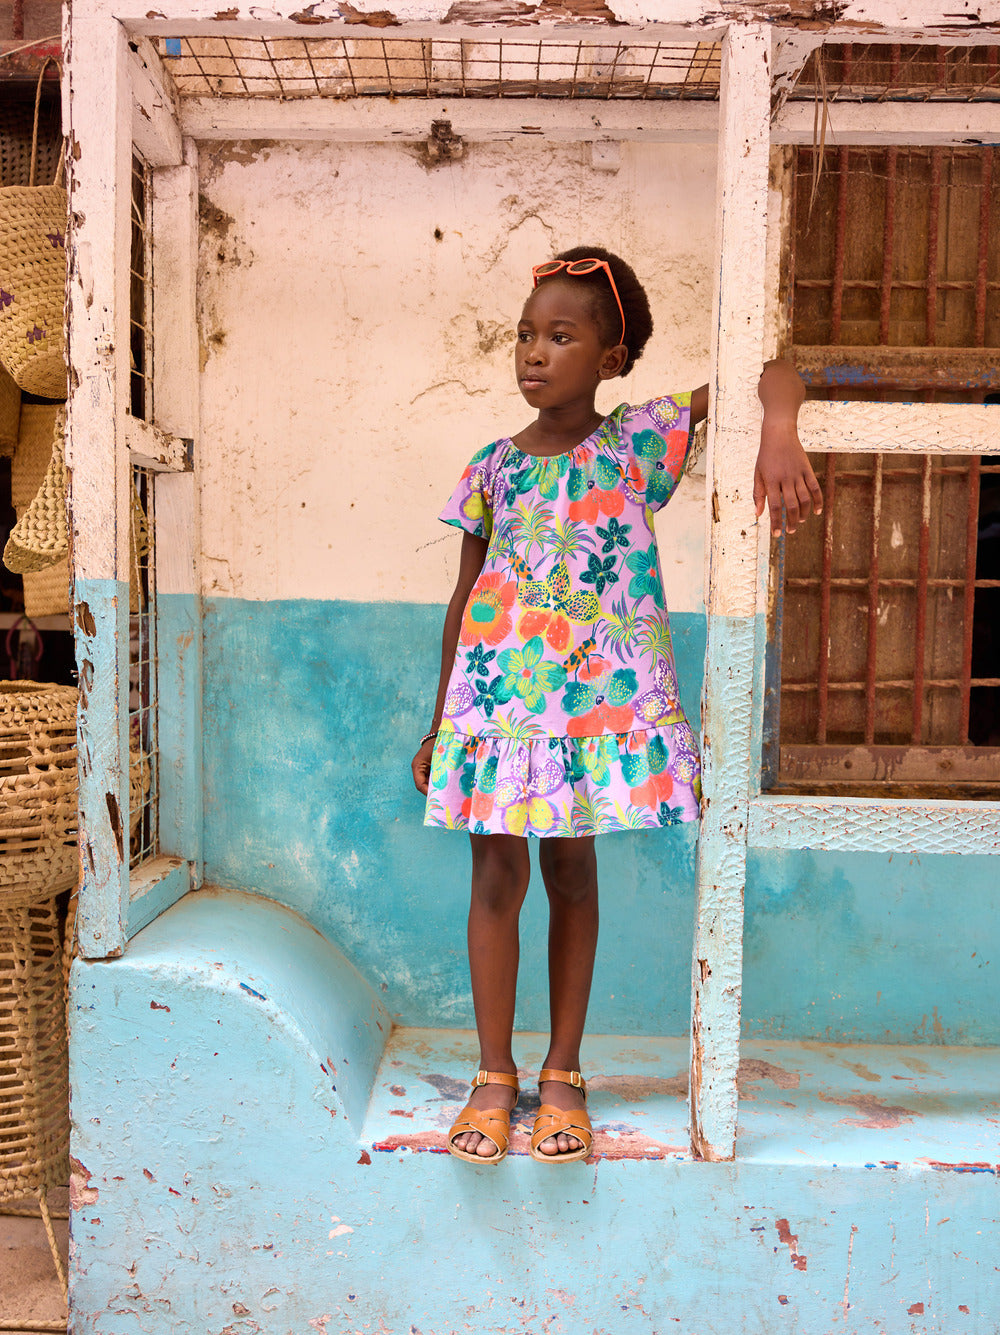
577,268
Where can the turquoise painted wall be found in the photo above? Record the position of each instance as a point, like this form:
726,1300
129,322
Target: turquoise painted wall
311,712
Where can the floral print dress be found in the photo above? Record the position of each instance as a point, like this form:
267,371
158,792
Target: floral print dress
562,715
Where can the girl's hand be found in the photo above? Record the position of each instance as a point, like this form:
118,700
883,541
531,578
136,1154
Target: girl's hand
421,766
783,475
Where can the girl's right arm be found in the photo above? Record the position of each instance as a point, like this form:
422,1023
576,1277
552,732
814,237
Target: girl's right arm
472,560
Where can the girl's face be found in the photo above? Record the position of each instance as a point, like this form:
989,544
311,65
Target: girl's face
560,356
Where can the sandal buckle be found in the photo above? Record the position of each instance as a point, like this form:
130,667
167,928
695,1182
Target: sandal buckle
575,1079
481,1078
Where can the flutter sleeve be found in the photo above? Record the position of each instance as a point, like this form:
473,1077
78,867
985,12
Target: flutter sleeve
655,440
470,506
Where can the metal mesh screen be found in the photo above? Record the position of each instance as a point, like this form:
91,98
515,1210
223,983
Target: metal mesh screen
143,701
341,67
882,72
140,296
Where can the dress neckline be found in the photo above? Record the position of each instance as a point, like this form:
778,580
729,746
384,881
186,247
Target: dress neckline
564,454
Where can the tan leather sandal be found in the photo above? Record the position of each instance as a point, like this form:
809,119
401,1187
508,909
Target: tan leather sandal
553,1121
493,1123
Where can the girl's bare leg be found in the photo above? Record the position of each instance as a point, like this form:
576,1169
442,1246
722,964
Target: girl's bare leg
569,869
500,871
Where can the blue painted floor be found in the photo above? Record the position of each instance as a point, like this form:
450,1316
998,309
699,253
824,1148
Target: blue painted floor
801,1103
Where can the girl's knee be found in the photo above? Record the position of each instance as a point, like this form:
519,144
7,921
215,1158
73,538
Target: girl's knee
500,871
569,869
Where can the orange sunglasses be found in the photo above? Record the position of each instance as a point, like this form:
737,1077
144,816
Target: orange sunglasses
577,268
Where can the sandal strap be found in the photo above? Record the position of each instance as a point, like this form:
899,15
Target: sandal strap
496,1078
493,1123
552,1121
573,1078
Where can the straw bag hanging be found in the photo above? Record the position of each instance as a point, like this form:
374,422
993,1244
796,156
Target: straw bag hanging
40,539
33,278
46,592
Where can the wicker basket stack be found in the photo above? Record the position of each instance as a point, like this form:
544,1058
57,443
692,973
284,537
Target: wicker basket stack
38,861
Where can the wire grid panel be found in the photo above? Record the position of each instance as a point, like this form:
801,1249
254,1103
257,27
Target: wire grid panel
882,72
140,294
143,692
343,67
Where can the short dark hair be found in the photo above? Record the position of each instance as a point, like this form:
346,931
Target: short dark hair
635,303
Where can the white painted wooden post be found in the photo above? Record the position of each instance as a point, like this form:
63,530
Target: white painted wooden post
735,630
98,116
130,104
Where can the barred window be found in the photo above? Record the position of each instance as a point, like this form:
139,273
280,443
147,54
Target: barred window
885,617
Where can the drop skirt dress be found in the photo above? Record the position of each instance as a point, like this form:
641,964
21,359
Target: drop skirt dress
562,715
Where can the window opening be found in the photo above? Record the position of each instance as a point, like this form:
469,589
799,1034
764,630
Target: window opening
342,67
889,661
140,296
143,695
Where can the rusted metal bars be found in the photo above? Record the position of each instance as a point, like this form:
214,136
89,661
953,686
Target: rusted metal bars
837,295
825,593
971,547
933,228
920,635
888,243
985,200
871,650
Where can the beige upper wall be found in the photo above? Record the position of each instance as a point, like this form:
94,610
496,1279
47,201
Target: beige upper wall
353,360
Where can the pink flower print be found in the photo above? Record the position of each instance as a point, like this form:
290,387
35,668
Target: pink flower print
36,335
56,239
521,796
6,299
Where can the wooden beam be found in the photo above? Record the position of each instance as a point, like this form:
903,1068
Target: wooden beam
733,587
151,447
917,123
874,825
99,114
381,119
897,367
900,428
155,131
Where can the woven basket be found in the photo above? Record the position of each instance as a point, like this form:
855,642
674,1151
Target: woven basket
16,130
34,1070
38,792
39,538
34,1110
33,279
46,592
10,413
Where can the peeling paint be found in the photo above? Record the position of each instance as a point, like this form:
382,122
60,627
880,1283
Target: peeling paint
81,1193
875,1113
791,1241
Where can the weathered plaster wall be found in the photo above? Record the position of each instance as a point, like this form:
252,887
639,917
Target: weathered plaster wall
357,314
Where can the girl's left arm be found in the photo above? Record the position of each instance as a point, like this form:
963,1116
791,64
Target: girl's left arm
782,474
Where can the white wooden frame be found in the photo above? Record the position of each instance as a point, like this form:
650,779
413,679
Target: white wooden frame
115,97
761,57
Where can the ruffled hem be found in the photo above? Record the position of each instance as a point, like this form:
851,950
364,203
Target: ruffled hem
564,787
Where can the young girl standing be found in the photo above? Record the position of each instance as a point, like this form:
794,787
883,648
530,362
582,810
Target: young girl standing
558,714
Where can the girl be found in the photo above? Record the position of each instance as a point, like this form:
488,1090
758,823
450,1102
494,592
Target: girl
557,712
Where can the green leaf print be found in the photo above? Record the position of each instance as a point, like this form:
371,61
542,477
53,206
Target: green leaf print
528,677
